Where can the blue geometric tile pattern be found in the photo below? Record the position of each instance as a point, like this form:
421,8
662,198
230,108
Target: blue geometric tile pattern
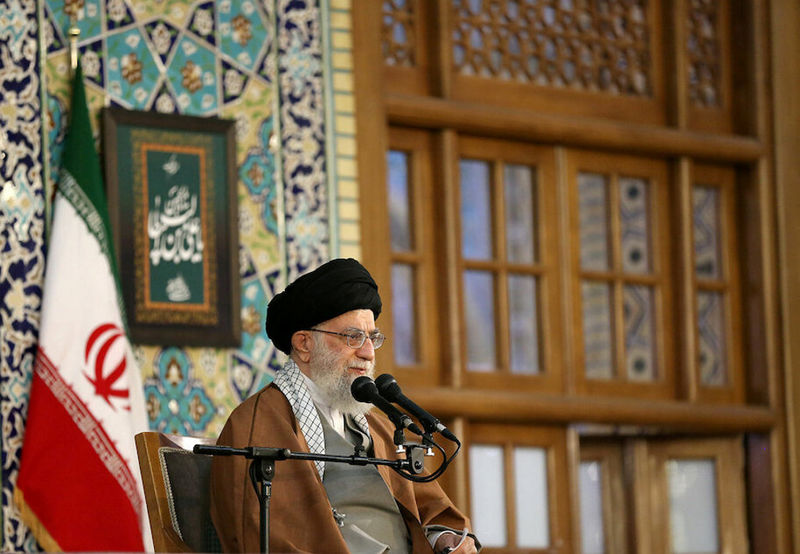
163,37
302,135
132,72
203,24
136,54
193,69
176,402
243,31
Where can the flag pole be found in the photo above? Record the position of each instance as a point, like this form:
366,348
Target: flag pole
74,32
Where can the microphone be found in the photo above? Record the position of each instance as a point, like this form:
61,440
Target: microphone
390,390
363,389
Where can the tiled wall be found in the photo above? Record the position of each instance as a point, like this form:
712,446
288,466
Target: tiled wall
282,69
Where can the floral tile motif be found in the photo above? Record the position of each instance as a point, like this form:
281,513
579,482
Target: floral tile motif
92,62
163,37
203,24
165,101
257,174
53,39
133,56
132,72
253,106
246,378
243,31
21,245
176,401
234,82
193,74
89,16
302,135
254,310
176,12
117,14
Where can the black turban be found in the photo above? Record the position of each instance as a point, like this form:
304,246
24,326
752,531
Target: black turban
334,288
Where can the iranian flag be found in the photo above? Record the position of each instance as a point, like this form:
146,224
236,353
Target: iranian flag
79,484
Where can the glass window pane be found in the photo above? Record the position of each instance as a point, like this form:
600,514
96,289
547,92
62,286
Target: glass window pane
476,212
530,497
487,494
634,224
520,210
479,312
693,505
711,325
597,330
639,335
404,331
399,201
522,324
590,486
593,210
707,259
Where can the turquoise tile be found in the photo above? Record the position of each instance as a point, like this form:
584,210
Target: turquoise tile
89,18
242,32
131,71
193,76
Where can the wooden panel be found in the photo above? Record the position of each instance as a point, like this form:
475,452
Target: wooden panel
522,406
591,132
785,66
559,58
708,52
405,45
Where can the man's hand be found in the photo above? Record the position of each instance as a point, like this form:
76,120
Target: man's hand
450,540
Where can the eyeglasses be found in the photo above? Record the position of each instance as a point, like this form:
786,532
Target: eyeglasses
356,337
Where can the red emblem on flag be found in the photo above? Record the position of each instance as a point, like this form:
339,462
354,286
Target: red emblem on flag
98,346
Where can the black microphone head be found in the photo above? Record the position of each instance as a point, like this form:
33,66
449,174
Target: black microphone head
363,389
388,387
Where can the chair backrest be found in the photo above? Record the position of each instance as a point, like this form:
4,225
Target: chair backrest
176,486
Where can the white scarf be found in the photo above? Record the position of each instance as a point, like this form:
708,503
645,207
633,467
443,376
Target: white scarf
290,382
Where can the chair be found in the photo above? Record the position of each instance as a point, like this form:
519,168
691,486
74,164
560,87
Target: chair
176,485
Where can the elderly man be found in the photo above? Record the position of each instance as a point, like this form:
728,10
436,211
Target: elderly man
325,322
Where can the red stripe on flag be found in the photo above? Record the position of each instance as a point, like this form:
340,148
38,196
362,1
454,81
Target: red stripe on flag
72,477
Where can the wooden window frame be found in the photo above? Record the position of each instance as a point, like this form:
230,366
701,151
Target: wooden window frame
728,457
417,144
657,175
728,284
554,441
610,458
541,160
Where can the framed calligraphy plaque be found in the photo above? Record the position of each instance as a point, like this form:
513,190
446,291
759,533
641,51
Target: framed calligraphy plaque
171,182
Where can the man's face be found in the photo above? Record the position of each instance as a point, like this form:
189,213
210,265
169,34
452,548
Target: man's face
334,365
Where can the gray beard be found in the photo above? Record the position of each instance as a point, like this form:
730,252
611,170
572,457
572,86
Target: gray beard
334,382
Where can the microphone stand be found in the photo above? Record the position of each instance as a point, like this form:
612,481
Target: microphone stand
262,469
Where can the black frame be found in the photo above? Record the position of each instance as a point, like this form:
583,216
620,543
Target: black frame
212,142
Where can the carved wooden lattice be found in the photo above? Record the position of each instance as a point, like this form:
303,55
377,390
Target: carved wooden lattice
595,45
397,32
703,51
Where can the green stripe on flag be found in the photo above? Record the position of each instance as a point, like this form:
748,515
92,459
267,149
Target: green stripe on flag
80,180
